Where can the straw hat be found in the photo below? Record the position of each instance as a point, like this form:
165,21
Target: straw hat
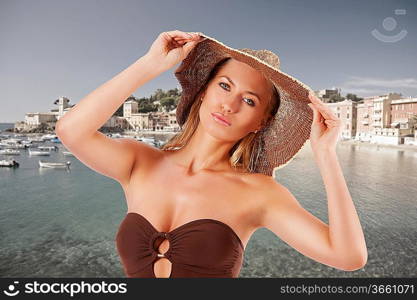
275,144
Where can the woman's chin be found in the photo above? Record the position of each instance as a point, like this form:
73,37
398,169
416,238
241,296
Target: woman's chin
220,133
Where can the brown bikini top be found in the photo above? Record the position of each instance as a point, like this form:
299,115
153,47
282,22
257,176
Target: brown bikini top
199,248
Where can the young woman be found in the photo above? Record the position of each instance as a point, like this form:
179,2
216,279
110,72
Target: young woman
194,204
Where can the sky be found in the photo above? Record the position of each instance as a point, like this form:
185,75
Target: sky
53,48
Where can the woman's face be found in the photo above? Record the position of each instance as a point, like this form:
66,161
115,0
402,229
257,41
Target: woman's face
240,94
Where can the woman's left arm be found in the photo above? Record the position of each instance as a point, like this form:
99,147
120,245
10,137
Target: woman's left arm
341,244
345,231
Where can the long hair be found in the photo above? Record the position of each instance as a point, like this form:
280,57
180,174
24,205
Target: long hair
241,152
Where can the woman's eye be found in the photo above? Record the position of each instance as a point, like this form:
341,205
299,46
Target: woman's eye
251,101
223,83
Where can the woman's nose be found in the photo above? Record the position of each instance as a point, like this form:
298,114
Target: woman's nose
231,104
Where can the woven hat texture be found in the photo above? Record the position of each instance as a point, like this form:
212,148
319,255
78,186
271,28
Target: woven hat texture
278,143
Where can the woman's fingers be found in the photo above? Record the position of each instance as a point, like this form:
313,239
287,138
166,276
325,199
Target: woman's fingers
184,40
181,35
179,38
317,117
324,110
177,33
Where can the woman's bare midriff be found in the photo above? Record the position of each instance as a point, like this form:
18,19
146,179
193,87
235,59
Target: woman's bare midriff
160,190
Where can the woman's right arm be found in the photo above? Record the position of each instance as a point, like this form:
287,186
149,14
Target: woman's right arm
78,128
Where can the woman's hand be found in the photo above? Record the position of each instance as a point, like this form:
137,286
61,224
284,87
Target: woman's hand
325,128
171,47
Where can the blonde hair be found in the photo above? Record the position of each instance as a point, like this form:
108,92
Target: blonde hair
241,152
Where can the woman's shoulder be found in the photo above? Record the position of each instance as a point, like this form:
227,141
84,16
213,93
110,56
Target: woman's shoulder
263,188
258,180
259,190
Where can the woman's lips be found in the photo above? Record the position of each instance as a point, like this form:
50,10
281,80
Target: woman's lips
217,117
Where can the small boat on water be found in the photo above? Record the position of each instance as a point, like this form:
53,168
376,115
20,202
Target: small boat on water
67,153
150,141
36,139
56,140
34,152
46,164
12,144
9,152
14,140
27,142
49,148
48,137
9,163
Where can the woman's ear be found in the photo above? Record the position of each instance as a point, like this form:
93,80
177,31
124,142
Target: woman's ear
202,96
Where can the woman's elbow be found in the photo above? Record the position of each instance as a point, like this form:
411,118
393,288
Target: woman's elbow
355,265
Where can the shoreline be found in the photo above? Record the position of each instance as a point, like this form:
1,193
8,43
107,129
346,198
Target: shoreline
374,145
167,133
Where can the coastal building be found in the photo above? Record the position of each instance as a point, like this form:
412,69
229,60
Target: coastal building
63,107
33,119
383,119
153,121
382,132
404,119
44,120
135,120
172,120
386,119
116,122
404,113
364,114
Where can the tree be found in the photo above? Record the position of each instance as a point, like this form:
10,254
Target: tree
146,106
159,94
336,98
353,97
168,100
173,93
168,103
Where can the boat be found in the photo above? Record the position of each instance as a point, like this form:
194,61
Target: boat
36,139
34,152
9,152
149,141
49,148
32,145
67,153
14,139
115,135
48,136
12,144
9,163
46,164
55,140
27,143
